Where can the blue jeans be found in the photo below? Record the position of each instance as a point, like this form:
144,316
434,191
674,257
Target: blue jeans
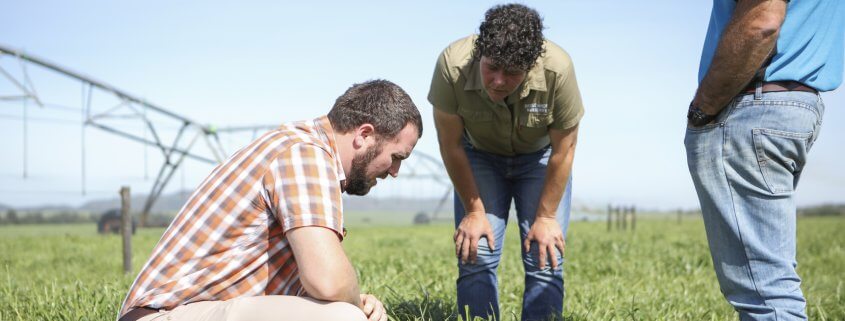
746,167
501,179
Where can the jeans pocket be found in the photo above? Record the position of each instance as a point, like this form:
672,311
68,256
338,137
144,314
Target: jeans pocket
781,156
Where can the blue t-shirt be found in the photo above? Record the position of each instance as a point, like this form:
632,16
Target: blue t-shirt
810,47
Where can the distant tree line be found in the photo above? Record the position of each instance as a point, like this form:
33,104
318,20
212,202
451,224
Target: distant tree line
40,217
12,216
823,210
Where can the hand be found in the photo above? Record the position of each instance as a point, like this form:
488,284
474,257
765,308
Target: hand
373,308
473,226
697,116
548,235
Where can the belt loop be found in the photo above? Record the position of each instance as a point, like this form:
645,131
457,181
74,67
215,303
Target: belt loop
758,90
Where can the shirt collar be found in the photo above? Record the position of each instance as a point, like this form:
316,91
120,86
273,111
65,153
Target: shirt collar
327,132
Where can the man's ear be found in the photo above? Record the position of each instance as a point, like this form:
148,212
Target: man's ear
363,133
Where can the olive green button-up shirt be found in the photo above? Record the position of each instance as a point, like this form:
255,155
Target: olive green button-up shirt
547,98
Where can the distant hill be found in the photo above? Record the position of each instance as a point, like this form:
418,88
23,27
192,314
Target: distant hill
4,207
169,204
372,204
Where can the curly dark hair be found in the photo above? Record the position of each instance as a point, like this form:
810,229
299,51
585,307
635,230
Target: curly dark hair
380,103
511,35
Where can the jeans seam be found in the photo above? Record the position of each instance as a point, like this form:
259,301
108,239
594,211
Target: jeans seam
735,217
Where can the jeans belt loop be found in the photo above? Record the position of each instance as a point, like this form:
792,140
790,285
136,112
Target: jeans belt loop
758,90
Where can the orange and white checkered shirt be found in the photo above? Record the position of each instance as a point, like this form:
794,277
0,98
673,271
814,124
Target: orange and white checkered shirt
229,240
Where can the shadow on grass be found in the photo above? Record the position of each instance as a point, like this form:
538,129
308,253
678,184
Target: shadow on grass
436,309
425,308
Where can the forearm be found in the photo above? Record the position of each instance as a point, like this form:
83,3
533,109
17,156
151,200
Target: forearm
324,270
457,166
558,170
341,287
350,291
746,43
557,175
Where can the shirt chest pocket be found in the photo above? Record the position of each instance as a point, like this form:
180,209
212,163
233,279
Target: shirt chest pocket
480,124
536,119
475,116
476,119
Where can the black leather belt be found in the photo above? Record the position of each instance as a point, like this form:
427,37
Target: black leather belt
776,86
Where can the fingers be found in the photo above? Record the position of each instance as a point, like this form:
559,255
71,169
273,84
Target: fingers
379,314
465,250
473,250
561,246
382,312
552,256
367,305
467,237
526,245
542,256
491,240
459,240
373,308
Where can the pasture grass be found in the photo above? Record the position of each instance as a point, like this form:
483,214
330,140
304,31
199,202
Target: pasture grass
661,271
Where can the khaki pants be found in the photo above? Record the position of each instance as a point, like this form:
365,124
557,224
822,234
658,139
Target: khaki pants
261,308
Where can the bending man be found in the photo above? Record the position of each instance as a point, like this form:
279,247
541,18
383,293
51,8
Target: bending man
506,108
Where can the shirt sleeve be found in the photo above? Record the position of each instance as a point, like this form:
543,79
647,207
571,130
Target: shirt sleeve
304,188
568,105
441,95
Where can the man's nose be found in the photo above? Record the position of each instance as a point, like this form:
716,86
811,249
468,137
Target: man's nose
394,169
498,79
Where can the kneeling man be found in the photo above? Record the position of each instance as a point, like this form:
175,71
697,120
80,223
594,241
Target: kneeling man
260,238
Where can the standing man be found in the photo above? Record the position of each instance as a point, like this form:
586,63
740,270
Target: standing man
755,115
507,108
260,238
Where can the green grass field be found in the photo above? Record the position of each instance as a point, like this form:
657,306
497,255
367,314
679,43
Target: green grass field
660,272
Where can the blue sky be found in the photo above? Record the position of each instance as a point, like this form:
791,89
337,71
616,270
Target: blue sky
243,63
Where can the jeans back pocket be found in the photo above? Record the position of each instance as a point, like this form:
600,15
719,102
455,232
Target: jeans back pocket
781,156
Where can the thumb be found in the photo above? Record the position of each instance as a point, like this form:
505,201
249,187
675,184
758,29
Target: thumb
527,243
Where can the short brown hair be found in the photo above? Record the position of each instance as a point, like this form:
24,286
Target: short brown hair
378,102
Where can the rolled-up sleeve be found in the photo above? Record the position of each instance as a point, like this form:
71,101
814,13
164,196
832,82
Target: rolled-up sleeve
305,189
568,107
441,95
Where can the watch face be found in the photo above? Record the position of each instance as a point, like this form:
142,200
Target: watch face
698,118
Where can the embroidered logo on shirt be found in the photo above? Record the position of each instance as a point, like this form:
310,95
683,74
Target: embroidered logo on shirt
537,108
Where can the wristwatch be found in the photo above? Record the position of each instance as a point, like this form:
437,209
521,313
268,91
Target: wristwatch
697,117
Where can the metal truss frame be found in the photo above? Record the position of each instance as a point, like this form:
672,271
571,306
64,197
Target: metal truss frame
130,106
175,152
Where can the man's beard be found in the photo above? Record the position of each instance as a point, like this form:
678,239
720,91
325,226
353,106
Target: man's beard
357,182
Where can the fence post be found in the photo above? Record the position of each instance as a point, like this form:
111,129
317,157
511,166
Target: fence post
126,229
618,210
633,217
609,217
624,218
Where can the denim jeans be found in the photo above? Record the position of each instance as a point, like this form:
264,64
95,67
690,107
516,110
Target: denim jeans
500,180
745,167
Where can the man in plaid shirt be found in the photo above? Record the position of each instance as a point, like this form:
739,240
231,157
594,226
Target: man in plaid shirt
260,238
